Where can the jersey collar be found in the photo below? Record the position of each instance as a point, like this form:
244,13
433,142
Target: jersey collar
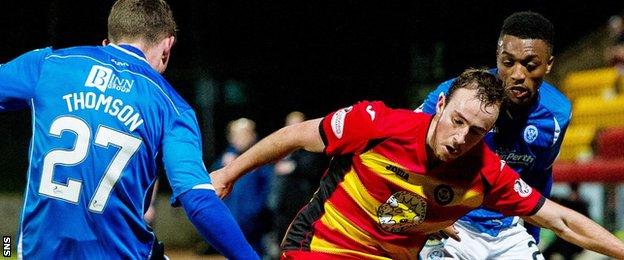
130,50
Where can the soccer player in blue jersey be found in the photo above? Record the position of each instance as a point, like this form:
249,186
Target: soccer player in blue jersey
527,135
101,117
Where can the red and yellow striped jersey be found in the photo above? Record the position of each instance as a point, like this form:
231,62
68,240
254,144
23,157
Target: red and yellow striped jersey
380,198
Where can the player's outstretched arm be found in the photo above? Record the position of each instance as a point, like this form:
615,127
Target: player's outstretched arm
273,147
577,229
215,223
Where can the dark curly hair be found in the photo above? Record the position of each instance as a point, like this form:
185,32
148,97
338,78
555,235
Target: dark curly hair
489,88
529,25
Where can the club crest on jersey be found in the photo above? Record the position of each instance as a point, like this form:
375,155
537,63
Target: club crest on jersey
436,254
523,189
103,78
401,212
337,121
530,133
443,194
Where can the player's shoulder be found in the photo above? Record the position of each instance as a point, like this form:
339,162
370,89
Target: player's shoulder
35,54
553,101
379,112
161,92
171,94
380,106
75,52
491,164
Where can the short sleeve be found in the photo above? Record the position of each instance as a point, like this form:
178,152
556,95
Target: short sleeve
19,77
511,196
182,156
429,105
351,129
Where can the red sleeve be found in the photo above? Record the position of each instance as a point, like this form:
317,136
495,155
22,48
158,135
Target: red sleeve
510,195
350,129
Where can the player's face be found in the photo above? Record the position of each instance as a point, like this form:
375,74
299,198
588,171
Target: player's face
522,65
462,123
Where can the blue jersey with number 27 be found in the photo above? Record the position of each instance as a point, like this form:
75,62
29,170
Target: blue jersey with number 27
100,117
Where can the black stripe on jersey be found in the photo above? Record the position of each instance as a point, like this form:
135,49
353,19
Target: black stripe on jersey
538,206
372,143
300,232
323,135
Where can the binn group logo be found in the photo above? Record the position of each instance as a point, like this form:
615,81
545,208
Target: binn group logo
103,78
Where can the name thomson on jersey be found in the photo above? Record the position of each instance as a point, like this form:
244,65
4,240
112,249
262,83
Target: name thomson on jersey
103,78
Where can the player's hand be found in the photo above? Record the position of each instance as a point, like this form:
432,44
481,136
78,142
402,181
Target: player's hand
451,232
222,186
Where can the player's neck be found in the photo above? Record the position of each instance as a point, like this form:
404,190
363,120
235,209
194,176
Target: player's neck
136,44
515,111
432,159
152,53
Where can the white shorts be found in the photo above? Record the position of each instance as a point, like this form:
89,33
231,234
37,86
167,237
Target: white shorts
511,243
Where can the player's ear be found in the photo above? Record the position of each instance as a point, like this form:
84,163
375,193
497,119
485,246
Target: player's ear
105,42
163,48
441,103
551,60
166,49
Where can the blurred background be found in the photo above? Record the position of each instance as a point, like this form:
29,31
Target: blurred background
263,59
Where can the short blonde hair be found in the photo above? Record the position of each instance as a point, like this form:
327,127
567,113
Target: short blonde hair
148,20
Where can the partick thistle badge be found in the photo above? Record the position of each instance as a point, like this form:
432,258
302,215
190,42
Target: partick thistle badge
401,212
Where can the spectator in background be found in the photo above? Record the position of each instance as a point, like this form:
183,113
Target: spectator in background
296,178
614,54
249,200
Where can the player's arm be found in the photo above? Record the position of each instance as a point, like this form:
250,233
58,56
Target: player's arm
304,135
512,196
18,79
215,223
543,175
542,181
577,229
345,131
182,158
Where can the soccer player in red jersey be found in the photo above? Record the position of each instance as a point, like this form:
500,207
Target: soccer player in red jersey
397,176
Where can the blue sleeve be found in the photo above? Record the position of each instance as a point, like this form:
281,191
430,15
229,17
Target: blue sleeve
216,225
182,155
18,79
556,147
544,184
429,105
